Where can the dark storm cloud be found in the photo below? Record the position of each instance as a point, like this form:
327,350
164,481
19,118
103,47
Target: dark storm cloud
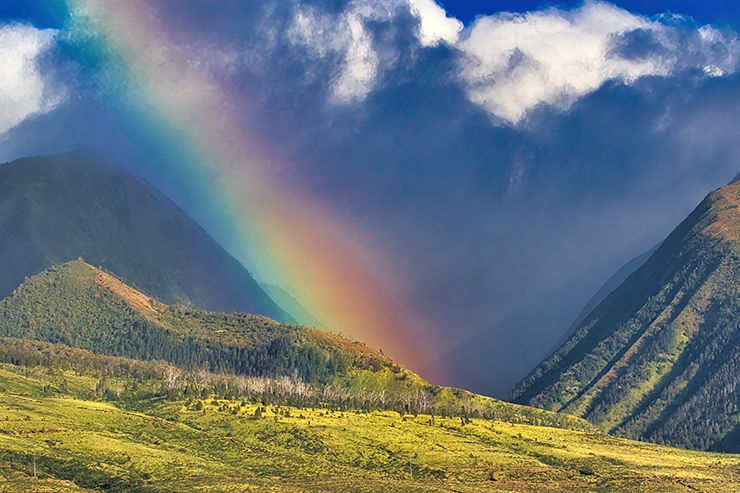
507,232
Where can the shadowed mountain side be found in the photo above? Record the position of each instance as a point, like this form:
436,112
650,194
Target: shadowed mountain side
289,304
58,208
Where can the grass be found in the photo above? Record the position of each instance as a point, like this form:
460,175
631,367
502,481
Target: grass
154,445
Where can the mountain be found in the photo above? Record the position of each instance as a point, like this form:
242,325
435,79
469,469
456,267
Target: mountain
103,388
54,209
82,306
659,358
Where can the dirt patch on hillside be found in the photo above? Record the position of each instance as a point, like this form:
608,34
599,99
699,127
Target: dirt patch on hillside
135,299
726,210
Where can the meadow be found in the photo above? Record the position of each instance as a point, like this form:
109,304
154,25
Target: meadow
56,421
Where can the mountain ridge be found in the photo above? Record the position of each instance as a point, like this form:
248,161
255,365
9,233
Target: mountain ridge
606,289
643,362
83,306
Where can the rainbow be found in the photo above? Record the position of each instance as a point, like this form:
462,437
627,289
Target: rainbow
288,238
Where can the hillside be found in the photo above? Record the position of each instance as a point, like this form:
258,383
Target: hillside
81,306
87,422
659,358
54,209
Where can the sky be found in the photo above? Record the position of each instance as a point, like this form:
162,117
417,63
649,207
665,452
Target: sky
450,183
706,12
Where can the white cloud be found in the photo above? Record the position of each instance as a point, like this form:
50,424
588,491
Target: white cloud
360,63
515,62
434,24
23,91
512,63
346,38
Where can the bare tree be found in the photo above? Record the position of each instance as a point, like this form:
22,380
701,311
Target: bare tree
171,379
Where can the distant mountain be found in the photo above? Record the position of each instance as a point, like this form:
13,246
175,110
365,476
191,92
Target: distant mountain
289,304
610,285
58,208
659,357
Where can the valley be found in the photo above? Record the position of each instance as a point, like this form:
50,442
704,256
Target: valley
658,358
103,388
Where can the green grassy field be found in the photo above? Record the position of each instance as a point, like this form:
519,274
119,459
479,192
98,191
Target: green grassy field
79,443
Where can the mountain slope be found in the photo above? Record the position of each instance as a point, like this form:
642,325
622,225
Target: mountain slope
659,358
83,307
58,208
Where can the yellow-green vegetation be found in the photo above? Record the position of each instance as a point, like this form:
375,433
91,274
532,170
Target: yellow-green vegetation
219,402
83,307
80,441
